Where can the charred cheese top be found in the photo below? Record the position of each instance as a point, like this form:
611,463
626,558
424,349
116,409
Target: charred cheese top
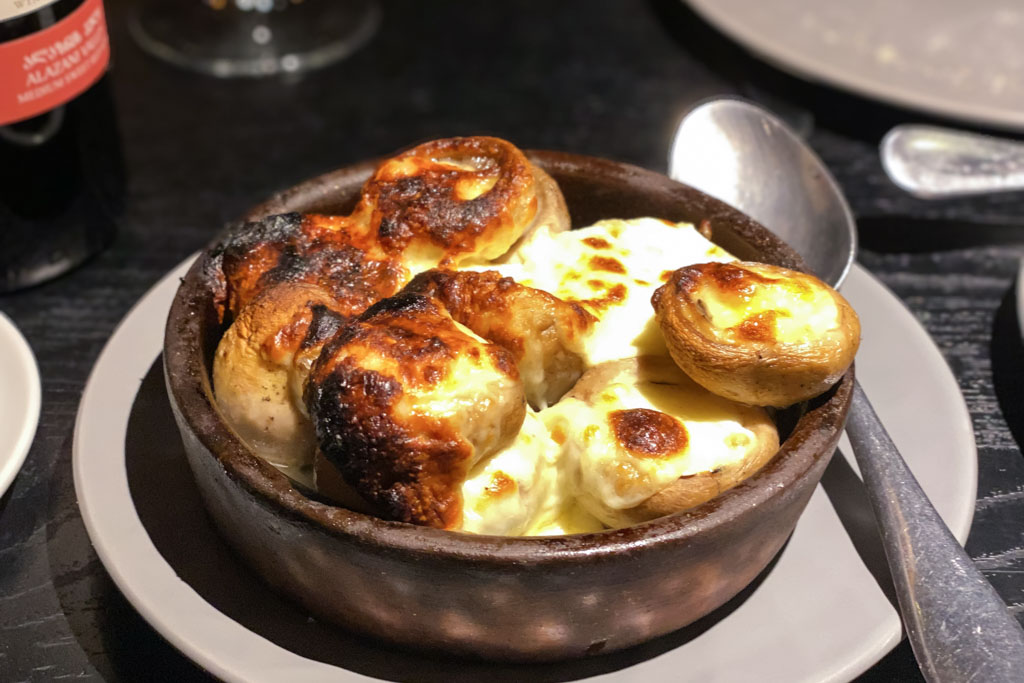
571,457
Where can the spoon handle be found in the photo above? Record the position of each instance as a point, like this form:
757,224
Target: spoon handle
958,626
932,162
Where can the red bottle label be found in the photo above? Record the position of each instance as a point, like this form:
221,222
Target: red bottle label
54,65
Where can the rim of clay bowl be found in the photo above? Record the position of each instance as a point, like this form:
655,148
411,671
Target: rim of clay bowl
189,383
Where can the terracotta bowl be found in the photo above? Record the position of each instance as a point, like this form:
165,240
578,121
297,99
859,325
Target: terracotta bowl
492,597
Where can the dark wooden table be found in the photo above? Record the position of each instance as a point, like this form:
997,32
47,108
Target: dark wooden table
602,78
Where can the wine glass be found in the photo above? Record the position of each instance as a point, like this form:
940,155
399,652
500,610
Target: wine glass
228,38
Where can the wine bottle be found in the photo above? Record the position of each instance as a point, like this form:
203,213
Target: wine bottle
61,176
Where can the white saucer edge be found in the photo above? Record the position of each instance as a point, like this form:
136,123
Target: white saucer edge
1019,292
25,360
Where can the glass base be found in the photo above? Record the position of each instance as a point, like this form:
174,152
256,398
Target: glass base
249,38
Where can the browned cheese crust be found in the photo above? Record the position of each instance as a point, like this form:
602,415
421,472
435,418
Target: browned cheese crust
331,485
333,252
369,397
748,361
436,204
459,196
541,330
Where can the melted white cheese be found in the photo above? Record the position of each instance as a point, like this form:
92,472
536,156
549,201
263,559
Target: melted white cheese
599,465
799,311
612,268
520,489
574,520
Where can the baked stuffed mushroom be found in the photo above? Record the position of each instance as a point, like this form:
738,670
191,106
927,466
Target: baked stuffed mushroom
757,333
643,440
260,368
442,203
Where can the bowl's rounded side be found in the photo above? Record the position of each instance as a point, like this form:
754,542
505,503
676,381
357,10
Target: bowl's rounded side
512,598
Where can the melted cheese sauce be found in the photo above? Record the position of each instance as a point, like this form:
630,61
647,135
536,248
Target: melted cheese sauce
534,486
612,268
795,310
601,465
573,520
520,489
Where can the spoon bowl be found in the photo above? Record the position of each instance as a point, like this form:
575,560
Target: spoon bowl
728,147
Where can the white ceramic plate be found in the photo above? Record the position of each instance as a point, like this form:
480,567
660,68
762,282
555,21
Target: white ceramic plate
1020,298
949,57
819,614
19,400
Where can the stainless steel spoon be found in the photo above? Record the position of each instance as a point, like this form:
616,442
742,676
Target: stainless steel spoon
932,162
958,625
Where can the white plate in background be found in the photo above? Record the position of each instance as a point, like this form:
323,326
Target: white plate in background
818,615
1020,298
955,58
19,400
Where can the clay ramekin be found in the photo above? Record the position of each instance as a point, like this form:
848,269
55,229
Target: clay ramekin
491,597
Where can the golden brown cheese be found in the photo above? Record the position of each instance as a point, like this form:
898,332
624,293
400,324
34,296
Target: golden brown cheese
335,253
634,427
543,332
747,304
406,400
756,333
440,203
646,433
447,200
